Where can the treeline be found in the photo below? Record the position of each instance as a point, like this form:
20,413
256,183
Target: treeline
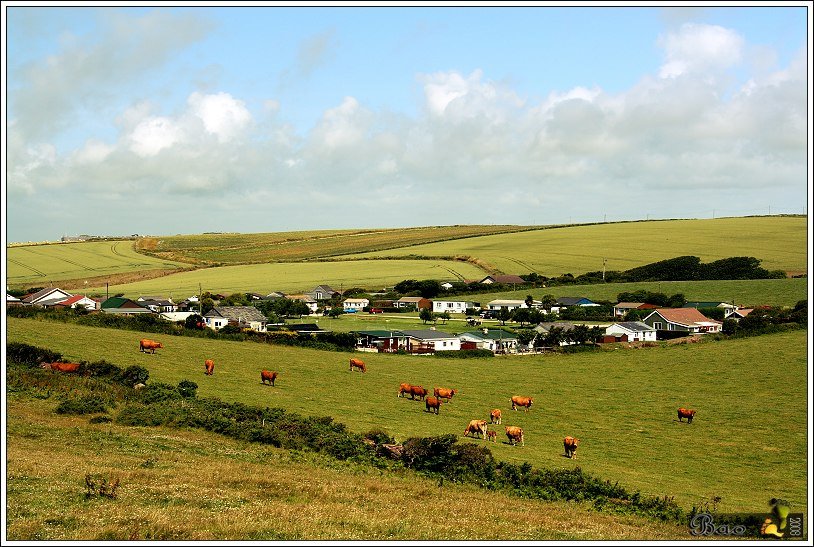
193,326
442,457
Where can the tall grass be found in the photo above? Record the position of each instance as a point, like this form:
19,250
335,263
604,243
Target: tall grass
751,409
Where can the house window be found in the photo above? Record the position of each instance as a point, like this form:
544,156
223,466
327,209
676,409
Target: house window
657,325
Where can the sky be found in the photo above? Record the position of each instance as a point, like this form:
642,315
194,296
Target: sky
165,120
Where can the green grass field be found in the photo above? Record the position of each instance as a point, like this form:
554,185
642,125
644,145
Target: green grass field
43,265
194,485
747,444
293,277
780,242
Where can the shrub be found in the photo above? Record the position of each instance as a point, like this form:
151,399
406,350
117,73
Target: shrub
88,404
157,392
133,375
379,436
101,369
101,419
187,388
464,354
30,356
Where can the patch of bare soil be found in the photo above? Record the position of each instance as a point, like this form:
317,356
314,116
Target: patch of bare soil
115,279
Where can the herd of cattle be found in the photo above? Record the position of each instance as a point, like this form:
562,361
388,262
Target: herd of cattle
477,428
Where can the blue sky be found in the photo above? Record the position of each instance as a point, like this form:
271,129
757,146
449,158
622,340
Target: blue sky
164,120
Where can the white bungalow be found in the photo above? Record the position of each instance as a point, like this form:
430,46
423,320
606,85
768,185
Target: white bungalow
452,306
354,304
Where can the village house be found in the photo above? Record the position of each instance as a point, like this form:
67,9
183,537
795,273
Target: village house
428,341
353,305
682,320
738,313
306,299
503,279
47,297
630,331
241,316
123,306
509,304
621,309
382,341
453,306
570,301
79,301
495,340
321,293
157,304
417,302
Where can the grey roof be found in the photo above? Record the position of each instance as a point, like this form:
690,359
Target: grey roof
546,327
427,334
237,313
571,300
29,298
637,326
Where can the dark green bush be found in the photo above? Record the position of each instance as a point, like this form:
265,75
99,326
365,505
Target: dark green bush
31,356
158,392
187,388
133,375
88,404
101,419
464,354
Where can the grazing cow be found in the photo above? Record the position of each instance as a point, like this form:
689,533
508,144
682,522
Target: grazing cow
418,391
405,388
151,345
61,367
209,365
357,363
139,386
517,401
496,416
570,444
444,393
492,435
685,413
268,376
476,427
515,434
433,404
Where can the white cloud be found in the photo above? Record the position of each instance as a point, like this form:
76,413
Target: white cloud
153,135
94,151
700,48
222,114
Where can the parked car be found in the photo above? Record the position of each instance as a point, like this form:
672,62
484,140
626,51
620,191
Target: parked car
375,310
488,314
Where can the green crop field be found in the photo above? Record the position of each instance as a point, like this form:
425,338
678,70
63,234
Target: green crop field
747,444
292,277
780,242
283,246
42,265
750,292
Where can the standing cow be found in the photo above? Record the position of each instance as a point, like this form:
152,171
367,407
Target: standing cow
492,435
443,393
570,444
433,404
146,344
418,391
525,402
357,363
515,434
209,366
686,413
268,376
496,416
476,427
405,388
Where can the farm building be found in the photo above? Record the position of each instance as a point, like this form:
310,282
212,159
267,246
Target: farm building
242,316
631,331
681,320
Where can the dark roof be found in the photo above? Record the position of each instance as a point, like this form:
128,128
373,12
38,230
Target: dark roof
572,300
505,279
120,302
637,326
41,294
427,334
492,334
380,333
547,326
237,313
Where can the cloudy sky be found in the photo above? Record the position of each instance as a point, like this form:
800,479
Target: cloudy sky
165,120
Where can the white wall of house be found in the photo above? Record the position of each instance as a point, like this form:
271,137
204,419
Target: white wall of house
355,303
507,304
451,306
632,335
446,344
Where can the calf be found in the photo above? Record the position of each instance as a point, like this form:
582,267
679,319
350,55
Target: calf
515,434
685,413
476,427
492,435
496,416
209,365
570,444
268,376
433,404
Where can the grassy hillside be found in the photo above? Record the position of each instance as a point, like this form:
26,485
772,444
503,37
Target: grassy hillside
780,242
43,265
192,485
751,418
224,249
293,277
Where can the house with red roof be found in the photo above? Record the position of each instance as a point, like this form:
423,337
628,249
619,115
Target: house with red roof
687,320
79,300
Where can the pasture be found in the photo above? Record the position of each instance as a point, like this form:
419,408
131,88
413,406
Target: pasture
779,242
194,485
43,265
292,277
746,445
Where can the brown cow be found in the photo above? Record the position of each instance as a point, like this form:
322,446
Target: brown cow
209,365
146,344
433,404
61,367
492,435
515,434
476,427
496,416
405,388
443,393
268,376
357,363
517,401
570,444
418,391
685,413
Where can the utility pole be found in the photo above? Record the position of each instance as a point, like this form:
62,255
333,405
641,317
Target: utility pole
604,261
200,301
